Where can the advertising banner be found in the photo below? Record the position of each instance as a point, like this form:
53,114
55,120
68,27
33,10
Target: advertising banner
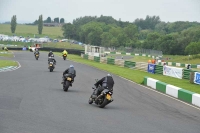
151,68
173,71
197,78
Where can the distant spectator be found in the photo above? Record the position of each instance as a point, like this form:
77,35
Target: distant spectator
188,66
5,48
153,61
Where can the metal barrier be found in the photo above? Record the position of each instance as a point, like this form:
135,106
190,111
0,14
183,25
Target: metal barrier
159,69
111,61
129,64
97,59
186,73
85,56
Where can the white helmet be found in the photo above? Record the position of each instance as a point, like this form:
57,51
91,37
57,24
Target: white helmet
109,75
71,66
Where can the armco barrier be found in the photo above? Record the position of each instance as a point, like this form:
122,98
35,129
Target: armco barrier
103,60
85,56
129,64
142,66
111,61
119,62
184,95
159,69
160,63
91,57
186,73
97,59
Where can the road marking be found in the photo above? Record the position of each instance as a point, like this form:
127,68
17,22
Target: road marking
12,69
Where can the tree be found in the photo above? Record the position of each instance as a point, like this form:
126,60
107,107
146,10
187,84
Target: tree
56,20
48,20
62,20
122,39
105,39
40,24
13,23
193,48
35,22
68,30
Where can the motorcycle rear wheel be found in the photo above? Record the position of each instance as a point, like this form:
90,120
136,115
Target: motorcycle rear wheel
66,85
105,102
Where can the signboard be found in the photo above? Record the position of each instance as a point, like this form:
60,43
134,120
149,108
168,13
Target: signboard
151,68
197,78
173,71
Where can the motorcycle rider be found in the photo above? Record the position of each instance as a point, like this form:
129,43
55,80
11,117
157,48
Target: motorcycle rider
70,71
64,52
36,52
51,59
106,82
50,53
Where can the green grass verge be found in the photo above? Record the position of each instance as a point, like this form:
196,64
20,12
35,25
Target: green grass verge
8,54
135,75
30,30
64,45
133,58
181,59
4,63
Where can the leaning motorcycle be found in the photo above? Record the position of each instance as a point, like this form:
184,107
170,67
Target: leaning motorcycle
36,56
103,99
67,81
51,66
64,56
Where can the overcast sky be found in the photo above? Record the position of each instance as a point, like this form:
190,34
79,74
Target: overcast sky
127,10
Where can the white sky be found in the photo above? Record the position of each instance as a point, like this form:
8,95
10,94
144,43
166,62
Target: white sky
127,10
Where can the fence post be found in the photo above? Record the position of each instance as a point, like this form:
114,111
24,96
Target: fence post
191,77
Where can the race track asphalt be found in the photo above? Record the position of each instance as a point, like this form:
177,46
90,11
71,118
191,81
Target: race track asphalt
32,101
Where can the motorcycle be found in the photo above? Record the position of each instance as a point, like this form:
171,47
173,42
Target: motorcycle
103,99
64,56
36,56
51,66
67,82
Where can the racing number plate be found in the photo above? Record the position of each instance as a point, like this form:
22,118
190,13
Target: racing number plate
69,79
36,55
64,54
108,97
50,65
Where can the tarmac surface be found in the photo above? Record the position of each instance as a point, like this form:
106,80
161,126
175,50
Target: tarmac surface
32,101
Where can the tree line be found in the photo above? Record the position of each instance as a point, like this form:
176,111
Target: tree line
49,20
176,38
38,22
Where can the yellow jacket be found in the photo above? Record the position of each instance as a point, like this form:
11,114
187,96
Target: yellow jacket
64,52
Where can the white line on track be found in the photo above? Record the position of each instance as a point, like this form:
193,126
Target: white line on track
146,87
12,69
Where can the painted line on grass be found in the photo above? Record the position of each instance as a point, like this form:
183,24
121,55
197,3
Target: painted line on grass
12,68
143,86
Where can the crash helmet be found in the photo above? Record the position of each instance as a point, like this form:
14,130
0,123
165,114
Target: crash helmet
109,75
71,66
